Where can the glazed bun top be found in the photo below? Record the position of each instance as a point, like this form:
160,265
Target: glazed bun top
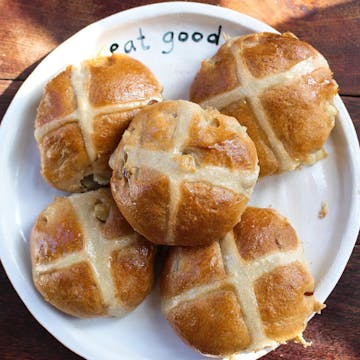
86,259
183,175
277,86
250,290
82,114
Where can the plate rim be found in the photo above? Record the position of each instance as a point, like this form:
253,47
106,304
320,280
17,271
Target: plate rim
149,11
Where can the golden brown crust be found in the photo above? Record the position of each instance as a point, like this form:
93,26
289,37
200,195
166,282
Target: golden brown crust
64,160
267,53
100,97
305,103
242,110
284,296
72,290
144,197
132,270
209,209
219,145
180,170
108,130
156,128
212,324
56,232
215,76
250,290
58,100
86,260
186,267
119,78
262,232
283,94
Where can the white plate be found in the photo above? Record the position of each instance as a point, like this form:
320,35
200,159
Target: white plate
144,334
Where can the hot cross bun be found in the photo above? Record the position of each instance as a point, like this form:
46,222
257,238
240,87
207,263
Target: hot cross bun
250,290
86,259
82,114
277,86
183,175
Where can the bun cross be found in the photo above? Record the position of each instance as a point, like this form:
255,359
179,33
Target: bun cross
87,260
82,115
277,86
204,159
249,290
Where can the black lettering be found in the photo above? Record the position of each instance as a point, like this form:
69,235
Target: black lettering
129,47
141,37
168,38
114,47
196,36
183,36
214,38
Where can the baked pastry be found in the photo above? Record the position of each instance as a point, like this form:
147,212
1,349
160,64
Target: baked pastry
277,86
182,175
82,114
86,259
250,290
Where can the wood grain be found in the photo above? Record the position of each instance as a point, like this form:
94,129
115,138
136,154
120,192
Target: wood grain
353,107
46,23
332,27
319,22
8,89
31,29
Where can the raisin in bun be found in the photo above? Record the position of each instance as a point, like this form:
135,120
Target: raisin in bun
250,290
183,175
277,86
82,114
86,259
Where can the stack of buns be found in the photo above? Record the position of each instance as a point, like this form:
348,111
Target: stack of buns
234,278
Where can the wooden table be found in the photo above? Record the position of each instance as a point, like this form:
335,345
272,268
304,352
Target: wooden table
31,29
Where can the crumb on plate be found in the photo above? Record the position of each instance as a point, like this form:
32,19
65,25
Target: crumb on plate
323,210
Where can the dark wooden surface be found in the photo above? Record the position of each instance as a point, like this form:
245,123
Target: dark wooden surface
31,29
